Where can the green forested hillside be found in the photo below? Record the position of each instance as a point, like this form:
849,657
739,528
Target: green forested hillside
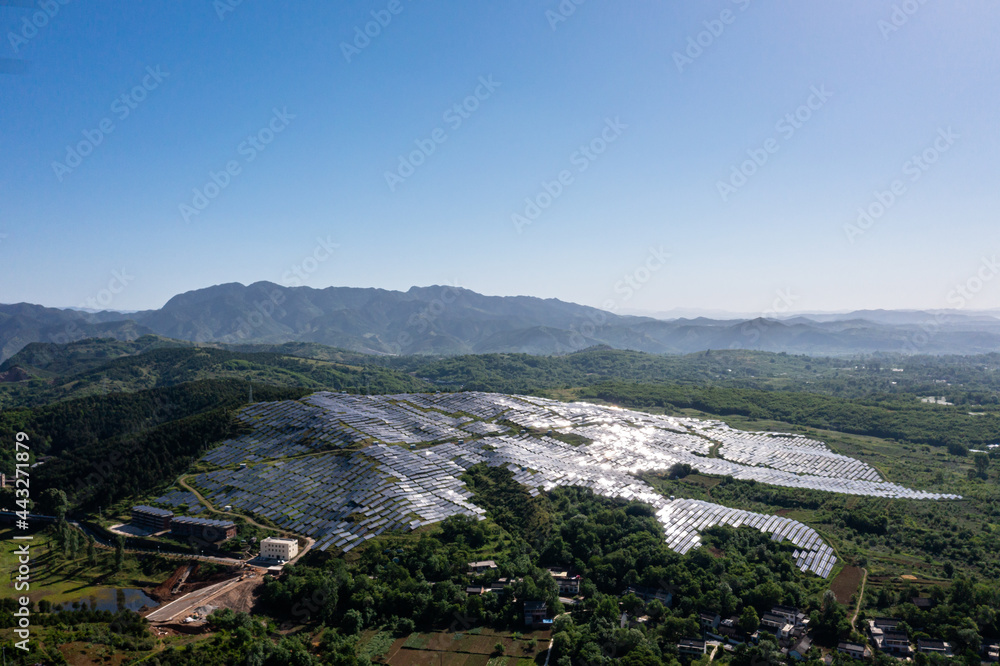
46,360
101,448
961,379
102,367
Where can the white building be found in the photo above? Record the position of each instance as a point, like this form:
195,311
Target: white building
282,550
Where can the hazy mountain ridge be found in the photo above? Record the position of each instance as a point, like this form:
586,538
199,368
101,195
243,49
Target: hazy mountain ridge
444,320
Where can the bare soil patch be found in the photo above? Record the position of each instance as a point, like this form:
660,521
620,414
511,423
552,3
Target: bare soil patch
846,583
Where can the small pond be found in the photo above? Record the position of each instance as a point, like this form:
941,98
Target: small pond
114,599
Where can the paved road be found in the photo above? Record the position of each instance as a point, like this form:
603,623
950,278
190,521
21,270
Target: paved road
180,608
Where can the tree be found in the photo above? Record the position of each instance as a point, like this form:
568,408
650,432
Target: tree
830,623
982,463
404,626
119,552
353,622
53,501
642,655
766,653
749,620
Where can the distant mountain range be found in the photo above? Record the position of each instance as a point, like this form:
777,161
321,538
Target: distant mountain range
445,320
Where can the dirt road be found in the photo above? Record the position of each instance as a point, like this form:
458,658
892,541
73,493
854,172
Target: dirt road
861,596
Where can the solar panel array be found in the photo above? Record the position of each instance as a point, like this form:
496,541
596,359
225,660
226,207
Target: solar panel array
791,454
178,497
342,498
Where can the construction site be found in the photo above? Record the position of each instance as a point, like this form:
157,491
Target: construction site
188,598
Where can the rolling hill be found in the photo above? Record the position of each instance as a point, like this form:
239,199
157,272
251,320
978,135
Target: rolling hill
450,321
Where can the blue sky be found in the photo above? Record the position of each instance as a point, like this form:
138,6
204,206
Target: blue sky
664,124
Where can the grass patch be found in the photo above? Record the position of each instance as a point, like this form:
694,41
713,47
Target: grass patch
374,644
61,579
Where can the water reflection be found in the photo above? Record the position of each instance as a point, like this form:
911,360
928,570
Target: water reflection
113,599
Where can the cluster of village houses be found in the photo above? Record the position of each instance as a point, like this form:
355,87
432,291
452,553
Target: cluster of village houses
787,624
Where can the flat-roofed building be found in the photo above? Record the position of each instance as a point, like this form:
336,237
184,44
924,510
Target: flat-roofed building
887,637
773,623
791,614
500,585
275,548
897,643
730,628
150,518
203,528
691,646
568,583
482,567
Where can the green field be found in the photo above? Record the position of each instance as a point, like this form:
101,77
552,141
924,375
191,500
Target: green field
60,579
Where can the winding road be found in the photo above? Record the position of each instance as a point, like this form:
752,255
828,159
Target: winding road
182,482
